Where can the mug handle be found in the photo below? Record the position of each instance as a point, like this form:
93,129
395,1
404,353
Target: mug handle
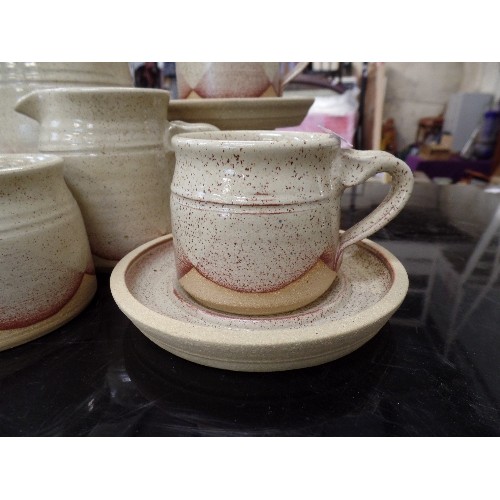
359,166
178,127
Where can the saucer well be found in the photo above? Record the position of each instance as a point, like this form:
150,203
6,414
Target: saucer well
370,286
260,113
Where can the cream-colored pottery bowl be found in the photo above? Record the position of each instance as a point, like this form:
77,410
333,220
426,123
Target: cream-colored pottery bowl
46,270
18,133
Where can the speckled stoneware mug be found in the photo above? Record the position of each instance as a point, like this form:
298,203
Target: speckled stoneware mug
46,270
256,214
115,161
197,80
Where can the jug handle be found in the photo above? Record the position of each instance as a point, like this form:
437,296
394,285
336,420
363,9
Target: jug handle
178,127
288,77
357,167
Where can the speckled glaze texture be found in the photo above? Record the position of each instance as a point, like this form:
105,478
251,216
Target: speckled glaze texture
116,165
19,133
254,212
370,287
46,270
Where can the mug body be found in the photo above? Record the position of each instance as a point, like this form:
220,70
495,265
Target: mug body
112,141
46,270
228,79
255,218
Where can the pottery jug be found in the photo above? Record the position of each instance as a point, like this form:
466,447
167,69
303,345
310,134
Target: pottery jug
18,133
115,160
46,269
256,215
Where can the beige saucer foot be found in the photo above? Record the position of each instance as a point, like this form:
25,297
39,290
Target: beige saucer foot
82,297
297,294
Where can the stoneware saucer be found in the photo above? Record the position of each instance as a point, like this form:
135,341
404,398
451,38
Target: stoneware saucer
371,285
265,113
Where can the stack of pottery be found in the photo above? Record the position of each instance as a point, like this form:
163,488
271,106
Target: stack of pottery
46,270
100,188
257,275
233,259
235,95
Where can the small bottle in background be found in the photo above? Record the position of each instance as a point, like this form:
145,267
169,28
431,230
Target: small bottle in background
486,138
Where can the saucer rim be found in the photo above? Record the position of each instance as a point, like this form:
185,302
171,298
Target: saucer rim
230,111
251,101
233,338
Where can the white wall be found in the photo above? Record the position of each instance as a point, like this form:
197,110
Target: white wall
482,77
416,90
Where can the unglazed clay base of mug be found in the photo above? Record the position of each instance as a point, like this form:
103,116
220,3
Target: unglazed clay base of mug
299,293
370,286
17,336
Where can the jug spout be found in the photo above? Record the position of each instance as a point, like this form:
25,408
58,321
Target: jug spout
30,105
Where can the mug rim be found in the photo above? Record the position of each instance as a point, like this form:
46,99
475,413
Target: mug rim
19,163
257,139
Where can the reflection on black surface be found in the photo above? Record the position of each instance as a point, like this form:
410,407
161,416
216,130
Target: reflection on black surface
53,386
394,385
56,385
199,400
448,239
432,370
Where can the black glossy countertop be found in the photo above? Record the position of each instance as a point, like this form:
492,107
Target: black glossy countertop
433,369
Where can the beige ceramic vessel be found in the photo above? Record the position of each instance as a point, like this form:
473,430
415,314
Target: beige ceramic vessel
256,215
46,270
371,285
115,161
197,80
18,133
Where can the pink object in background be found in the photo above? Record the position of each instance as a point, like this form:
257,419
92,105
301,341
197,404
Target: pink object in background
337,113
341,125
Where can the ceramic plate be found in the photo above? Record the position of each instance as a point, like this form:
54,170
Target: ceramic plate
370,287
261,113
